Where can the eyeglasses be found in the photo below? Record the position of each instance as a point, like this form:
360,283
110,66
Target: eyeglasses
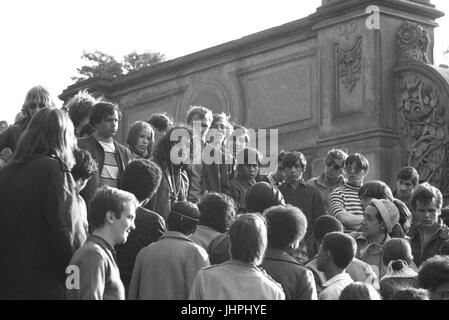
353,169
37,105
333,165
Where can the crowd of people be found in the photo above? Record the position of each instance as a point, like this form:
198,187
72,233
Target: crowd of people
84,217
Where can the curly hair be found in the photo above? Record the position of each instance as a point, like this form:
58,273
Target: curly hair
425,193
216,211
141,177
85,166
434,272
101,110
286,224
79,107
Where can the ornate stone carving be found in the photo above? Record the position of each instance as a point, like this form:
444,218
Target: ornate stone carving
350,63
347,30
425,130
412,43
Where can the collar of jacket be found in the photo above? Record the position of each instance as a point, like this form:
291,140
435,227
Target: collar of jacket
443,230
279,255
176,235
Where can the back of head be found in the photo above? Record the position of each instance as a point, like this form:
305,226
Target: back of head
183,217
101,110
141,177
396,249
160,122
216,211
286,225
262,196
248,237
79,107
410,294
434,272
162,151
376,189
107,199
50,132
408,173
359,291
341,246
85,166
324,225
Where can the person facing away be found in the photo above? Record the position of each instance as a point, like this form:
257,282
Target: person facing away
397,257
79,108
344,201
358,270
111,217
140,140
334,255
85,168
240,278
259,197
287,226
331,177
160,123
165,269
407,181
111,156
248,163
40,216
216,214
433,276
141,177
359,291
297,193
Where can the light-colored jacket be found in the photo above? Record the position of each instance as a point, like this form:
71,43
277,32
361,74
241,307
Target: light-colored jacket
166,269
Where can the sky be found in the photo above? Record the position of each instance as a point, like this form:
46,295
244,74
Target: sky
42,41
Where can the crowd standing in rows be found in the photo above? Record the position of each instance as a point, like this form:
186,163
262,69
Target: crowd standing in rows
85,217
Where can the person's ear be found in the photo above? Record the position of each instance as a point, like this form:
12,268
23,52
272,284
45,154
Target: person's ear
110,218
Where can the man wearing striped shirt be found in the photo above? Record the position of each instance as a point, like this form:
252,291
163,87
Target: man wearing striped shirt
111,156
344,201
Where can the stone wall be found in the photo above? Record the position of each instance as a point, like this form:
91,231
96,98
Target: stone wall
325,80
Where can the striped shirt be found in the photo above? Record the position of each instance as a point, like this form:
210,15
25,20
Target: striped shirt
344,198
110,173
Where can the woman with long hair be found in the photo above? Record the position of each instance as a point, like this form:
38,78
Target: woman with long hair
172,154
140,140
37,98
39,211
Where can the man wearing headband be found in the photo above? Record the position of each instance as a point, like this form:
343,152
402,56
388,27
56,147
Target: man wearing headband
165,270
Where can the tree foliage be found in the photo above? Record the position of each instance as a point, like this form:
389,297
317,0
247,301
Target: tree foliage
104,65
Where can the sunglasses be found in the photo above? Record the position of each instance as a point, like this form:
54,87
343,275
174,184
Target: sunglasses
37,105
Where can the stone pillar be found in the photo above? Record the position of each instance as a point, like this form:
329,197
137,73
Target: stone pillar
357,51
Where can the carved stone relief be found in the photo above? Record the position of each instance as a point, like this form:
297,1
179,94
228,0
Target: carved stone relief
412,43
424,128
349,63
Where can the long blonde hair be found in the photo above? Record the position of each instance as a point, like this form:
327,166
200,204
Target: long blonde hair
50,132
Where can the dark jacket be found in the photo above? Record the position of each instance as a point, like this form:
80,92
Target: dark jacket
96,150
149,228
38,235
433,245
296,280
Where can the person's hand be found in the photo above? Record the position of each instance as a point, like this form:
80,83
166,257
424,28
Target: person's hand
2,163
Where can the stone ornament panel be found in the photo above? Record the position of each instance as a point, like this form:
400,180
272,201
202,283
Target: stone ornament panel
424,128
412,43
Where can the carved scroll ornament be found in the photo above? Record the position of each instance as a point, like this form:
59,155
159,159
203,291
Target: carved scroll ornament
425,130
412,43
350,64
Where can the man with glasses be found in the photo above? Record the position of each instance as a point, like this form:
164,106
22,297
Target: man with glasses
332,176
344,201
